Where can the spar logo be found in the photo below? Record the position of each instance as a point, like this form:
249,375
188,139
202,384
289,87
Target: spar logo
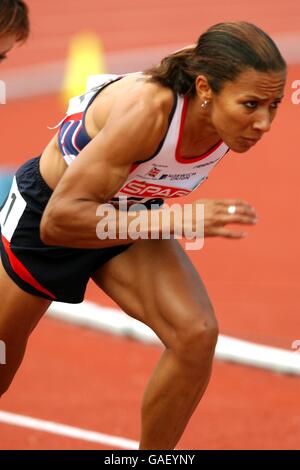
140,188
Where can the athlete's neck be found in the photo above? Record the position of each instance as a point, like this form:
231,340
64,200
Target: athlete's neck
198,127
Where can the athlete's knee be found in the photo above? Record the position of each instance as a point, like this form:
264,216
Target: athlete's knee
196,342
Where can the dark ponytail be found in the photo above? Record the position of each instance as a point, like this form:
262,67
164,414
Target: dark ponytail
221,54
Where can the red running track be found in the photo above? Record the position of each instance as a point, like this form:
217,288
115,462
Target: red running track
95,381
75,376
131,24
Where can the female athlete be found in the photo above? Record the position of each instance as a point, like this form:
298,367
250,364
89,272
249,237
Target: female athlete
140,138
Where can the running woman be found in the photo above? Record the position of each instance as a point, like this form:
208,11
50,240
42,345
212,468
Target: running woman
146,137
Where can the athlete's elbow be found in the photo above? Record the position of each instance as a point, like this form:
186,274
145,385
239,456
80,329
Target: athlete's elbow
49,236
51,229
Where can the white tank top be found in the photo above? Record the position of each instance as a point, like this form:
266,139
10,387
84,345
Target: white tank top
165,175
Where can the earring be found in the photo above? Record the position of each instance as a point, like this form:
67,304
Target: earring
203,105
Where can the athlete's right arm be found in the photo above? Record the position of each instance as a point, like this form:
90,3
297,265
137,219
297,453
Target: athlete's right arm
133,131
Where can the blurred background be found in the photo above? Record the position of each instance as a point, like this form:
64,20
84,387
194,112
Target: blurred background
94,380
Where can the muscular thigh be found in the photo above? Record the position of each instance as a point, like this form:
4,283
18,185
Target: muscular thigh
19,311
155,282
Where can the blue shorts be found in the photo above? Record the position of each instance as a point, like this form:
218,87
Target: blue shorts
52,272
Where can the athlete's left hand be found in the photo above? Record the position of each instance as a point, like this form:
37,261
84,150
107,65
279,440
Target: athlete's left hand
218,213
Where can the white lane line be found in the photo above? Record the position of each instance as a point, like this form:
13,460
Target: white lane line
91,315
67,431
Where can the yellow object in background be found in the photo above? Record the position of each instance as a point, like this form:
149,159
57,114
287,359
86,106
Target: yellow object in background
85,58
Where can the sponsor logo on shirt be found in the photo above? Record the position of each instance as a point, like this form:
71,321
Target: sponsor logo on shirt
178,176
153,172
144,189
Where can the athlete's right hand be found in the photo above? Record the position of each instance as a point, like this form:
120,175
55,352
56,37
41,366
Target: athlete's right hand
217,217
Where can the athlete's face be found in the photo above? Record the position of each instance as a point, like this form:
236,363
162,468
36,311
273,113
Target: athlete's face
6,44
245,108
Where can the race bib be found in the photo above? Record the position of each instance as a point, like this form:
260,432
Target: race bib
12,211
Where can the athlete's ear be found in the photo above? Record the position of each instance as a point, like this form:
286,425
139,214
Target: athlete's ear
203,89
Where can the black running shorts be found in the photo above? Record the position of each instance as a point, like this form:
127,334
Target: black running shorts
53,272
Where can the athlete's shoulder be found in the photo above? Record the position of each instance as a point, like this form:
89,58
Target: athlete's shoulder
138,111
154,96
146,100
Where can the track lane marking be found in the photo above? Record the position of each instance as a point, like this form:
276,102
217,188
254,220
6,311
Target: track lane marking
67,431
